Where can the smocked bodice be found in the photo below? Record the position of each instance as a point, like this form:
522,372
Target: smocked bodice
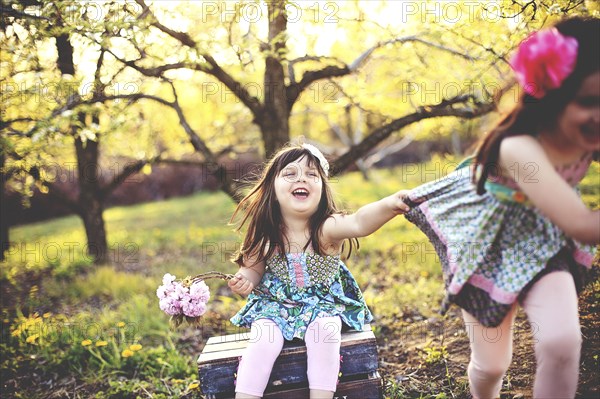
304,269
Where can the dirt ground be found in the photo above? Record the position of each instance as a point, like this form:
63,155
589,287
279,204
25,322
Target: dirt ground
405,348
403,355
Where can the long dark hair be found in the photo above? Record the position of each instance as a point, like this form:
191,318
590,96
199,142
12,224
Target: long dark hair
259,208
532,114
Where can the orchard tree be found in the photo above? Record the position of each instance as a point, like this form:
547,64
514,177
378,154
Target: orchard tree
259,53
49,106
236,74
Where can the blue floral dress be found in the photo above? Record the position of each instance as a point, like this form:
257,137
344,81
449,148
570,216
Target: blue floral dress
493,247
299,287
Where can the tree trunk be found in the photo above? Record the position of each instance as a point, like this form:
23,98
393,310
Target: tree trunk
93,222
4,237
274,124
90,199
65,55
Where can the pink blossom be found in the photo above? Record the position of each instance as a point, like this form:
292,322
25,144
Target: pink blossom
544,60
194,309
179,291
168,279
163,291
200,291
178,299
170,307
186,298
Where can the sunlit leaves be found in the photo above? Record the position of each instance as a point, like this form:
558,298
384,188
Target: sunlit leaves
462,48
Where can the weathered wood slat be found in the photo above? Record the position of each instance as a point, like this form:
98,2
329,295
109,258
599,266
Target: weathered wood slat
290,367
368,387
244,336
219,360
214,345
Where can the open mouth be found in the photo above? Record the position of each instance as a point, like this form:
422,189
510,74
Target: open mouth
300,193
591,134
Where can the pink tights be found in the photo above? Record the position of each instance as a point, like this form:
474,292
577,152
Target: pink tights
323,338
551,307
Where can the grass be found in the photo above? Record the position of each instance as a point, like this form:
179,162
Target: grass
67,323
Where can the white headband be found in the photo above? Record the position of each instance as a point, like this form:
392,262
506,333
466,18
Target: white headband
319,155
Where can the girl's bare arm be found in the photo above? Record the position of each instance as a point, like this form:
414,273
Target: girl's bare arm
366,220
547,190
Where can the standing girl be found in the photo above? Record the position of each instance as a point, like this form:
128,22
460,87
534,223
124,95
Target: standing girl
510,228
291,252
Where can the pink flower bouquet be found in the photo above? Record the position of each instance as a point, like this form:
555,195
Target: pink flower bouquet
186,299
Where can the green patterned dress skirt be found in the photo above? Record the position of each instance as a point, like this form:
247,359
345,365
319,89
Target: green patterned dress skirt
300,287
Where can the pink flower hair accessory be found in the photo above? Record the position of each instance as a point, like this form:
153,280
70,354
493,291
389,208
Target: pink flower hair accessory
544,60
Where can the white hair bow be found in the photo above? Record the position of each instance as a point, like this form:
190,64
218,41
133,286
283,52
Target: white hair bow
319,155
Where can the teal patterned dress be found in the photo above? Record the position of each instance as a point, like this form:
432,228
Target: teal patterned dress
298,288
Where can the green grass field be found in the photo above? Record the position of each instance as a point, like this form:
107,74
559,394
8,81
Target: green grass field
71,329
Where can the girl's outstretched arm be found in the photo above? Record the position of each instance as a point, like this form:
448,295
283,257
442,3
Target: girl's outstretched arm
366,220
547,190
248,277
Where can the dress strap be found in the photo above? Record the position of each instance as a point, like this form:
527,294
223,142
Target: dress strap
500,191
466,162
504,193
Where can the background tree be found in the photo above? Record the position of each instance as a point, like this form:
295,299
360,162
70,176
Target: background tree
270,104
60,108
319,65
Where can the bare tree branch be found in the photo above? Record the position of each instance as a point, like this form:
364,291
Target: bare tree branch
236,87
156,72
358,105
128,170
524,8
7,123
330,71
227,185
439,47
573,6
294,90
11,12
75,101
445,108
53,189
292,63
215,69
501,57
313,58
182,162
388,150
98,86
183,37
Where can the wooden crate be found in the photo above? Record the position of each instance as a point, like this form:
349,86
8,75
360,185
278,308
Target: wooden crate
219,360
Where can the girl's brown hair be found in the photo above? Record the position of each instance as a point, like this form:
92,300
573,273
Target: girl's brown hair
532,114
260,210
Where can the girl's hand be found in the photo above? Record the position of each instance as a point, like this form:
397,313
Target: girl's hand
241,285
397,204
